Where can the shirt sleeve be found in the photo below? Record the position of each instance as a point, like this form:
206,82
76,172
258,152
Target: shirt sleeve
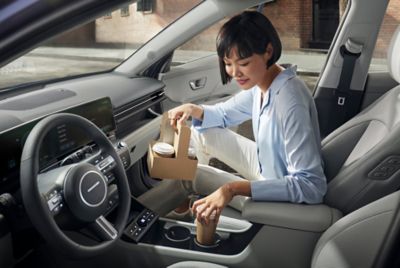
229,113
305,180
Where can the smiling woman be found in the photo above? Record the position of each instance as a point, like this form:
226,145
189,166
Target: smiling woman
284,123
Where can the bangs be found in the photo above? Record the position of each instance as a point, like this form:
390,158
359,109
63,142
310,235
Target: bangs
241,39
237,40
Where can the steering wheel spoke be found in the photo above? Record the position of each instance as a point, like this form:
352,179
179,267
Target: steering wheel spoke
104,229
50,185
55,202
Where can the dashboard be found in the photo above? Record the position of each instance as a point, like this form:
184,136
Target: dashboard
62,144
125,114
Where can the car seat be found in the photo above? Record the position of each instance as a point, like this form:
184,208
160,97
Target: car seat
362,157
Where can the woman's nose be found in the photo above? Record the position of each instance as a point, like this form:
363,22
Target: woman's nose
236,72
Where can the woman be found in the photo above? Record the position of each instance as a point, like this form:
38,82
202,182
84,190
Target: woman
284,163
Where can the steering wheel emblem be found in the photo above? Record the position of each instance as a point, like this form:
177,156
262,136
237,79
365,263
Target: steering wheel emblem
92,188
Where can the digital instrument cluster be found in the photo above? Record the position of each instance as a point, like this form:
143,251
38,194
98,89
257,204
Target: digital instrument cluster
60,142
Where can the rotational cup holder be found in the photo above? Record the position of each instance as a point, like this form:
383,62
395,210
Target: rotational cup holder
217,241
177,233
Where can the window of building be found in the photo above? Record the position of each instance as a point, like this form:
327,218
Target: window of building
125,11
144,6
108,15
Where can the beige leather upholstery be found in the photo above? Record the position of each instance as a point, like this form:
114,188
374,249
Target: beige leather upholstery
356,240
362,157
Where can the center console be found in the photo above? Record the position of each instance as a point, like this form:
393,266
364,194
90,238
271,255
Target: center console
146,227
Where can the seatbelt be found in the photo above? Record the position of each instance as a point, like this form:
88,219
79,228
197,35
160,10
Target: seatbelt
347,101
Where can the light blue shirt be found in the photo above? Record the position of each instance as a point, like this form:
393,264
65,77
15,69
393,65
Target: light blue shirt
286,132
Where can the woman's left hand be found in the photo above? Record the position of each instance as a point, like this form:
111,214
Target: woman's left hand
213,202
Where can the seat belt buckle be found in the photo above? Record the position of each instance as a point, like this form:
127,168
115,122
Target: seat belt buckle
341,101
340,97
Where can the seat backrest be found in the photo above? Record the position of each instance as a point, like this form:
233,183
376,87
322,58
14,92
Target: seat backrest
364,238
362,157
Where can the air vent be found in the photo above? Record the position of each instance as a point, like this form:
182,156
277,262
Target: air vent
135,114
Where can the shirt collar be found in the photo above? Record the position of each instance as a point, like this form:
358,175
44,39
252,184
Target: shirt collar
277,84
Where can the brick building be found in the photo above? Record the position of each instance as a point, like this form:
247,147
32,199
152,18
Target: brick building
305,24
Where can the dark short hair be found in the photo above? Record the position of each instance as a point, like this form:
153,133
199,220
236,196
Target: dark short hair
250,32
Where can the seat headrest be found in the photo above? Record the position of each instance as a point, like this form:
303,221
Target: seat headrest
394,55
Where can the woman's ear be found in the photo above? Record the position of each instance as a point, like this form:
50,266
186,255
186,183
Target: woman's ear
268,52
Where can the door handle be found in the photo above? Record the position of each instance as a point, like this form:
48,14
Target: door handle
198,83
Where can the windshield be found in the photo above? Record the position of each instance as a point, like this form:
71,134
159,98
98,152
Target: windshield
97,46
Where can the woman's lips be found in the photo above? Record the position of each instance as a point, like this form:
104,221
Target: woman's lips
242,81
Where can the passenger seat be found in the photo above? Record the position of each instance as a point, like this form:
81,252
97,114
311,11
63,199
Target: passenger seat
362,157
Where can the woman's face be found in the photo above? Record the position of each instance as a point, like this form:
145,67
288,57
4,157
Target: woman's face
247,72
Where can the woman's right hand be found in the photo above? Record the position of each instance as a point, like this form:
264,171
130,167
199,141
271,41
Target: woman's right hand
182,113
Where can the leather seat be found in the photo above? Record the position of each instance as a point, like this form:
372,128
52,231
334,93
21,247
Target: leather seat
362,157
362,163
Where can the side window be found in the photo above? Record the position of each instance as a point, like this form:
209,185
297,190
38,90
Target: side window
306,29
388,27
200,46
306,33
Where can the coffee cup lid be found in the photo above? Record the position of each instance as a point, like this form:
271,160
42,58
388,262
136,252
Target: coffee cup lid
192,152
213,214
163,148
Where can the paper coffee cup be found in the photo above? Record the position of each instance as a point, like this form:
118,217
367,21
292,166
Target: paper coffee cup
163,149
205,233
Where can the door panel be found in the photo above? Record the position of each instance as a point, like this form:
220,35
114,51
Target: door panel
197,81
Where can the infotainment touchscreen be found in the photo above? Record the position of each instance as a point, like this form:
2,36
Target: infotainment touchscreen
60,141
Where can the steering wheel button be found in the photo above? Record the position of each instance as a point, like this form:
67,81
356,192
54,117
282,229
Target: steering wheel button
102,164
56,200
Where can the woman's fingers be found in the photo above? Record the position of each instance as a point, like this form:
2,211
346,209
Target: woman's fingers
208,213
180,114
183,118
205,211
195,208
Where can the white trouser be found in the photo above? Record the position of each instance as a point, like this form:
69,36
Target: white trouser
229,147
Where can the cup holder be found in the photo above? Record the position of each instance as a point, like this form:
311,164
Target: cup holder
217,239
177,233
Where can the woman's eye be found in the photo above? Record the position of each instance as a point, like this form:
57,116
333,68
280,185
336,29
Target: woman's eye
244,64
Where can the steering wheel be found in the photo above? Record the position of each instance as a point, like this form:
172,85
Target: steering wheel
77,191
